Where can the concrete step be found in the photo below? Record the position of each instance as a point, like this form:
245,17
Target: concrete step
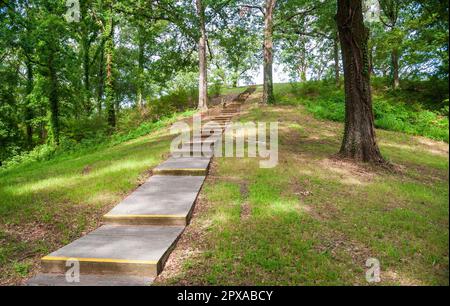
117,250
220,120
52,280
193,153
203,141
213,125
205,136
226,115
162,200
191,166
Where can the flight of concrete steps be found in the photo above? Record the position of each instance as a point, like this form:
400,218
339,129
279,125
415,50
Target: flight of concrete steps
139,233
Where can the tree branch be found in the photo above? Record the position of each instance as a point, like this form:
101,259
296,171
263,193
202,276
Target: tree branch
256,7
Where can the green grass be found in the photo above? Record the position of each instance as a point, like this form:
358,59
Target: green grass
310,221
314,220
70,148
407,111
48,203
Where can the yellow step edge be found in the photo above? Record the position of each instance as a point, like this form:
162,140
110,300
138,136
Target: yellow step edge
142,216
101,260
158,170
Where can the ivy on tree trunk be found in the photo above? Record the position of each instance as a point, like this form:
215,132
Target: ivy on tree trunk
359,141
109,86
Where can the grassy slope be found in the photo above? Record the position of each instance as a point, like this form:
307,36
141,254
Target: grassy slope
48,204
405,110
314,220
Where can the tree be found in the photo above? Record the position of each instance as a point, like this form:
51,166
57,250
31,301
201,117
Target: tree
203,63
359,141
108,34
268,96
391,9
237,50
267,10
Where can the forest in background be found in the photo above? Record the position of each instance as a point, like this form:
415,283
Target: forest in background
120,65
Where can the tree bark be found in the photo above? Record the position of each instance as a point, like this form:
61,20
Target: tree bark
203,65
109,85
395,69
268,96
359,141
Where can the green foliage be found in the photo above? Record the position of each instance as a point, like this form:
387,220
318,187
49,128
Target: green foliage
216,88
89,142
393,110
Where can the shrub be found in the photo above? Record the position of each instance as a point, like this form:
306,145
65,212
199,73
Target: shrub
399,110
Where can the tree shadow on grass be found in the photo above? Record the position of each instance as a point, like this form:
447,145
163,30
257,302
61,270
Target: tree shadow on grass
110,172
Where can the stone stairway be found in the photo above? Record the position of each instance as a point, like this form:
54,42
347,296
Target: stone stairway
139,233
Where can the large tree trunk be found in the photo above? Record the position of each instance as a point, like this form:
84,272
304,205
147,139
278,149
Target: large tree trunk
337,68
395,69
203,65
109,88
359,141
268,96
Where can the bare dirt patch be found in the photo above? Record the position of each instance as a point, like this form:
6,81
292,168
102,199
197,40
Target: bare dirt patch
190,245
351,173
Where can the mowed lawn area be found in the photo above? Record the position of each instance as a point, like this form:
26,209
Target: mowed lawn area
45,205
315,220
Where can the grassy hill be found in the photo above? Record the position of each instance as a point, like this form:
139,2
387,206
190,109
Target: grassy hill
311,220
419,108
315,220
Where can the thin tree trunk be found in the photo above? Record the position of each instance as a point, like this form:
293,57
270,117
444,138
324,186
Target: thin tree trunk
85,48
235,83
359,141
109,86
86,69
337,68
53,99
395,69
101,78
28,109
268,96
203,66
371,64
141,58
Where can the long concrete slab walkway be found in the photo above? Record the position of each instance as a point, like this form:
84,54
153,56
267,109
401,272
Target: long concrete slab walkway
140,232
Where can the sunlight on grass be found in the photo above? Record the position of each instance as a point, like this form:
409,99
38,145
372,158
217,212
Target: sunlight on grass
315,220
67,196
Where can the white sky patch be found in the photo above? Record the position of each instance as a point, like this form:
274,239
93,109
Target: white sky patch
279,75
